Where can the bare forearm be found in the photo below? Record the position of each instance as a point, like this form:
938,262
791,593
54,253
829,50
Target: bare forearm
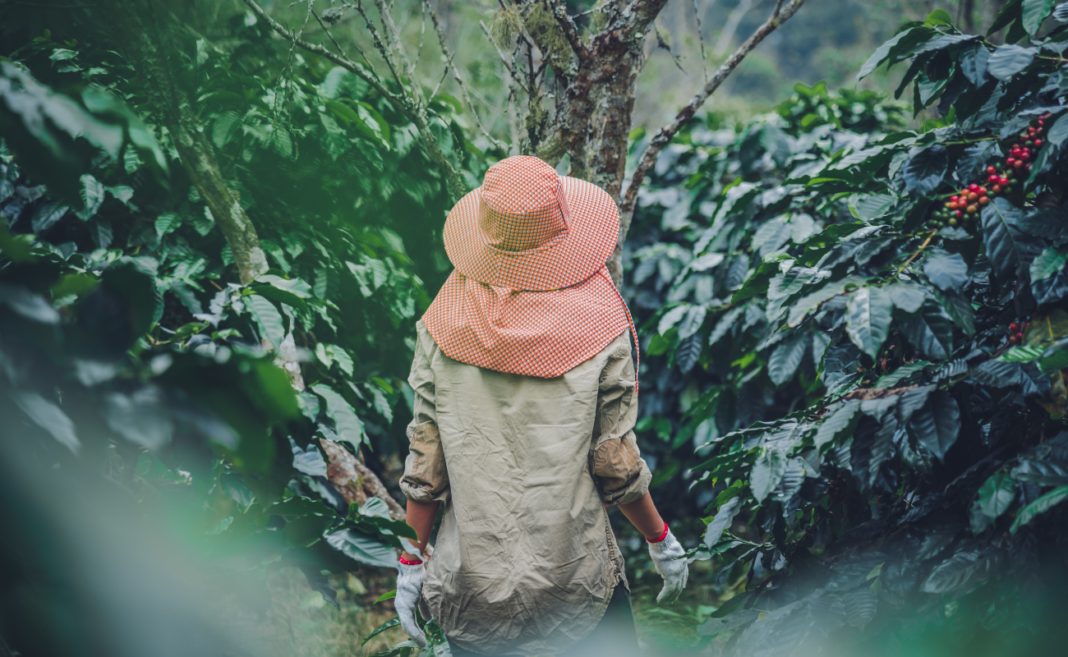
643,515
420,517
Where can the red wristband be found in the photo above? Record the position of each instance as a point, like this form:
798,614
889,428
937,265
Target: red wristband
661,537
409,563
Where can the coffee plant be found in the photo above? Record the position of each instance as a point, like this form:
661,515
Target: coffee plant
864,336
130,351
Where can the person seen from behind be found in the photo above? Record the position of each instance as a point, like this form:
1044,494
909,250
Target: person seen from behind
525,402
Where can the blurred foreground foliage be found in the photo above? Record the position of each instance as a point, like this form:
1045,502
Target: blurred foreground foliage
138,374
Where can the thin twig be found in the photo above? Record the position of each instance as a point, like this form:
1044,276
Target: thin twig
444,74
916,254
458,76
376,38
664,136
701,41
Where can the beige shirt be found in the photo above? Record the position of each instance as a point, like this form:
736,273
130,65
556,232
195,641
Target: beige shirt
525,561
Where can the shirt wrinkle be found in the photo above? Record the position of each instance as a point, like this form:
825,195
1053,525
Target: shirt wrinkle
525,561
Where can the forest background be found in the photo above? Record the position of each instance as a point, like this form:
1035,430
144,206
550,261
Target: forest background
345,202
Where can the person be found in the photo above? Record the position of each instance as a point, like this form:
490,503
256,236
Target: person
525,400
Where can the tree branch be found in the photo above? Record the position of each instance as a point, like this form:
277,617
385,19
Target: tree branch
665,135
657,143
458,77
571,32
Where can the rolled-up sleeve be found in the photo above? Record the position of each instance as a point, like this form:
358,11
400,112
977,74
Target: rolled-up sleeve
618,469
425,476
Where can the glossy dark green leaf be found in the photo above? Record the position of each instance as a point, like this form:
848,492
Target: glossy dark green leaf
786,358
947,271
267,317
997,494
868,316
937,424
1007,61
362,548
1007,246
767,472
930,331
347,423
1043,504
722,521
925,169
1034,12
961,570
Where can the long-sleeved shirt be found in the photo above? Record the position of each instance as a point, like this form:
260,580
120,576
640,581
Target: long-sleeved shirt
525,561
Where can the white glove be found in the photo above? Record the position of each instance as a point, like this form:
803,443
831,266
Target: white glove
409,590
670,561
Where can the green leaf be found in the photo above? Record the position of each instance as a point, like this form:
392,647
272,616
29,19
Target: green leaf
49,417
868,316
1021,354
722,521
724,324
937,424
939,17
204,222
1038,507
92,196
786,358
1048,263
348,425
1007,61
1034,12
906,296
806,304
997,494
167,223
27,304
900,374
672,318
924,171
1058,132
1007,247
388,595
692,322
930,331
1009,12
947,271
882,53
767,473
267,318
363,548
840,420
958,308
384,626
47,215
958,572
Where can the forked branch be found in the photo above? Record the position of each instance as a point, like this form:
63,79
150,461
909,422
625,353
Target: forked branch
458,76
665,135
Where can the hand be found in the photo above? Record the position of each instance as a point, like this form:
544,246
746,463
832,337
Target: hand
670,561
409,590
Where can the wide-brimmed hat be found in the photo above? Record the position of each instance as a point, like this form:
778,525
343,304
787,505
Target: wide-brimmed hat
530,294
527,228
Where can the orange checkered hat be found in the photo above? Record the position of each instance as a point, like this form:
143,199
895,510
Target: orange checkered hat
530,293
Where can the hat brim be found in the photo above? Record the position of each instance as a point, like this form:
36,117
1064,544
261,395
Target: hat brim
564,261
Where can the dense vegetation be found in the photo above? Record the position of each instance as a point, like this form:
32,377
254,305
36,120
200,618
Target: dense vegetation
131,349
862,331
855,370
